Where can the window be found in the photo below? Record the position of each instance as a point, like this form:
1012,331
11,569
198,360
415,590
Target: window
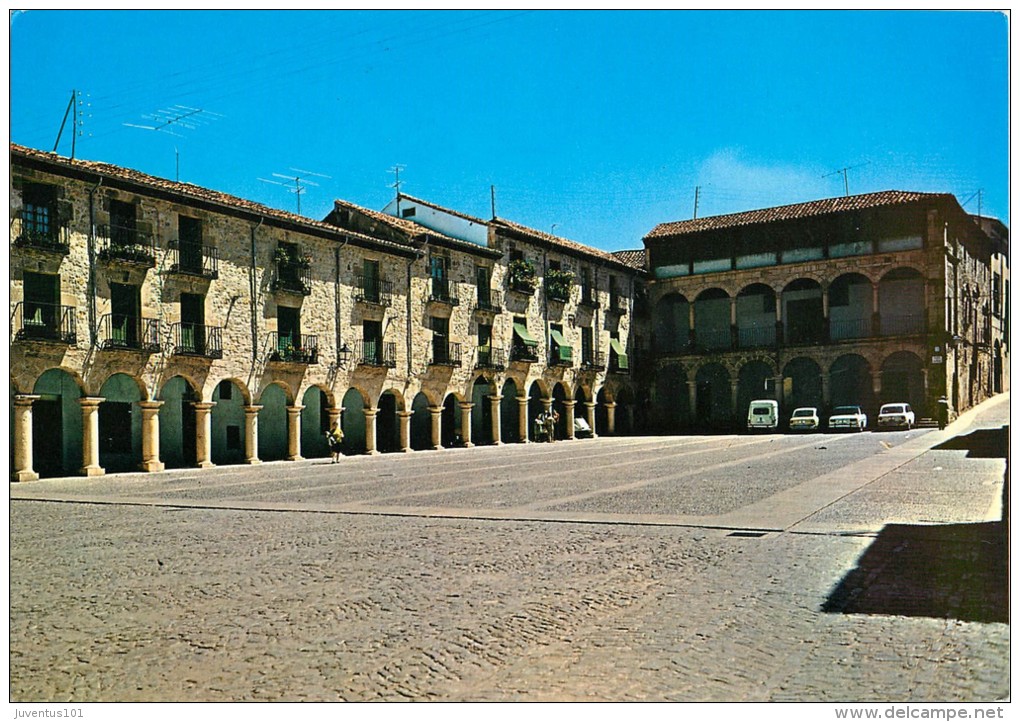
372,341
125,306
408,212
484,335
370,280
483,281
516,255
39,210
189,232
587,345
288,325
440,272
226,390
554,266
440,337
122,223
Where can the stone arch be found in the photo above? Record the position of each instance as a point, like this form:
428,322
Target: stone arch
317,402
57,423
272,437
672,323
289,394
755,380
903,380
802,311
510,412
712,319
850,382
352,420
421,422
756,316
901,302
227,422
450,420
177,423
714,394
120,423
851,297
802,384
536,405
387,421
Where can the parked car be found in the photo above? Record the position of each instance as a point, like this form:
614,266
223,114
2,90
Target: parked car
898,416
848,418
805,419
581,429
763,415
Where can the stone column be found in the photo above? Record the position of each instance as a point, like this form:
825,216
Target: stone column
780,390
611,418
522,418
333,414
251,434
404,420
589,414
734,397
497,423
436,416
150,436
825,390
203,434
370,415
691,332
465,423
568,413
294,432
22,470
90,436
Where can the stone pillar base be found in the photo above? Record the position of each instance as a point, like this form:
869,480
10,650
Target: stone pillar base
373,452
205,465
152,466
24,476
92,471
252,462
296,457
497,443
468,445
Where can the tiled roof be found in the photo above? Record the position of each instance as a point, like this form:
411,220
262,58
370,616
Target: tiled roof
633,258
565,244
186,190
791,212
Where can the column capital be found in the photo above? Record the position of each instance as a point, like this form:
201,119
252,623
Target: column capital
203,405
521,399
295,409
610,404
91,402
26,399
368,411
495,398
150,405
569,403
405,414
466,405
253,409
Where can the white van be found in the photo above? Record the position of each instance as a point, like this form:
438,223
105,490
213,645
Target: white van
763,415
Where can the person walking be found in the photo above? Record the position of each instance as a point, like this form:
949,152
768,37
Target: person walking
335,438
942,411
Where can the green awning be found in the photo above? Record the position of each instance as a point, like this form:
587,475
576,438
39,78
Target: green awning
621,354
521,331
563,350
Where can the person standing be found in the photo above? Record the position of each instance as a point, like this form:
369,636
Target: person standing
942,411
335,438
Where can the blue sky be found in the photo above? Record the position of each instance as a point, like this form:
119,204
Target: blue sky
599,125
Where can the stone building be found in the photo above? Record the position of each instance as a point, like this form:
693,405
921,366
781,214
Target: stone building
158,324
867,299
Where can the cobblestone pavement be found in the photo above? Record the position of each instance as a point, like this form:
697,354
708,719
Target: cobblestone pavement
490,574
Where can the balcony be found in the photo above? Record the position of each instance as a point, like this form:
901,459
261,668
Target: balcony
293,276
593,361
375,353
557,292
524,353
902,324
194,259
194,339
617,304
757,336
713,339
490,357
445,353
125,245
850,328
616,367
45,322
373,291
38,233
489,300
293,348
441,293
129,333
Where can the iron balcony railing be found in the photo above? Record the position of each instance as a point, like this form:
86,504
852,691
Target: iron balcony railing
896,325
522,352
370,289
490,300
194,259
131,333
194,339
491,357
713,338
593,360
756,337
805,334
293,277
44,322
850,328
558,292
442,293
445,353
39,232
293,348
126,245
374,352
614,362
672,346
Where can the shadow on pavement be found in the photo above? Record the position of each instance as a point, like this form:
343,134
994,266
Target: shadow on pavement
955,571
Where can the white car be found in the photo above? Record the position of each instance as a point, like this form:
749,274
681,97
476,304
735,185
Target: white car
899,416
805,419
848,418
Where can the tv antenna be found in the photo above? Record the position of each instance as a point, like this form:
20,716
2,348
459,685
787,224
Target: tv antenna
843,172
395,170
299,181
169,120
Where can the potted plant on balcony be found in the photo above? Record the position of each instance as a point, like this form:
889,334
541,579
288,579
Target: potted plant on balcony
557,284
281,256
522,275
